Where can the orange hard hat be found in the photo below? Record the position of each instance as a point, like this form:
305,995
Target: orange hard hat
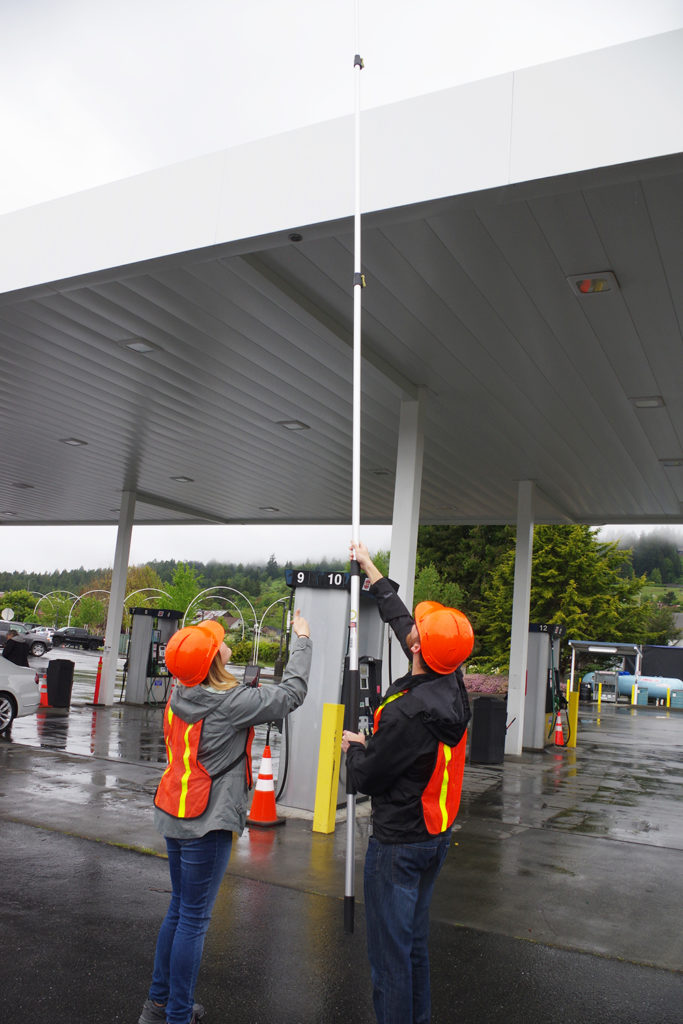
191,650
446,636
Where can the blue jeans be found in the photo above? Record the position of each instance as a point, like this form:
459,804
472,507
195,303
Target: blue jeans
399,881
197,867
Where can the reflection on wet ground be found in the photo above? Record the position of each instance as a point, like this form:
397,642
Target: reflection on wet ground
126,732
620,782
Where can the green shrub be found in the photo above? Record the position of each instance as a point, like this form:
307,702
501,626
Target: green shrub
242,652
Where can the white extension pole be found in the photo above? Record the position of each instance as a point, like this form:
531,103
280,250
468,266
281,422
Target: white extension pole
353,690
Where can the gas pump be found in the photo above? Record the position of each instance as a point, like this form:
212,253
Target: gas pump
543,698
151,630
324,600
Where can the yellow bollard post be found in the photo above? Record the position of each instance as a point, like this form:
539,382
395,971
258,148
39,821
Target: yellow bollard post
329,762
634,694
573,717
668,696
599,695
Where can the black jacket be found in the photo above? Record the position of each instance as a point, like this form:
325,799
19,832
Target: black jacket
397,762
16,651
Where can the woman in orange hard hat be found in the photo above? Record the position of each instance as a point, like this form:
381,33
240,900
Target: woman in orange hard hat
203,794
412,767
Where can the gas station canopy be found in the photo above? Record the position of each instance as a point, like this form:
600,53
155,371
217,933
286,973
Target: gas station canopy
186,335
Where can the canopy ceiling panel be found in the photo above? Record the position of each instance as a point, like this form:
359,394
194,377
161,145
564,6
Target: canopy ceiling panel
469,302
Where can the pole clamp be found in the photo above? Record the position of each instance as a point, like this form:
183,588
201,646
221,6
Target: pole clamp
359,279
358,62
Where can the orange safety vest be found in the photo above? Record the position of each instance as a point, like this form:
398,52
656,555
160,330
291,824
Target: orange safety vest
185,786
441,795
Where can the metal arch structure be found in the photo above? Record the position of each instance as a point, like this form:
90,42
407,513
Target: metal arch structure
50,593
259,628
143,590
212,590
80,598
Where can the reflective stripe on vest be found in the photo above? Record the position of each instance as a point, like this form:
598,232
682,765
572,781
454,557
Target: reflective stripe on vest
441,798
185,785
441,795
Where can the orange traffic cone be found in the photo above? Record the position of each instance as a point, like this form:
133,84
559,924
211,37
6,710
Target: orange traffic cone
559,734
263,811
42,686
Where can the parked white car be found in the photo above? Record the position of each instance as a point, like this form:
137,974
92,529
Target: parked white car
19,693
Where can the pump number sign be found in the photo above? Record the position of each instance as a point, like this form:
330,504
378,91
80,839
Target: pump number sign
315,578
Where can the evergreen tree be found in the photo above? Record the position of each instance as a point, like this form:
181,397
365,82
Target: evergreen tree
430,585
465,555
655,551
659,625
576,581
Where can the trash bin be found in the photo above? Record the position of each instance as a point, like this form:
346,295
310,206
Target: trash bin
60,681
585,692
487,735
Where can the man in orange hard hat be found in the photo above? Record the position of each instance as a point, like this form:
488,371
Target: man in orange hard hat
412,767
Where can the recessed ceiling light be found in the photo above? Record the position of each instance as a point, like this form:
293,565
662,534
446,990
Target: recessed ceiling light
114,509
594,284
295,236
293,425
139,345
671,463
24,487
648,401
183,479
268,508
381,472
74,441
9,513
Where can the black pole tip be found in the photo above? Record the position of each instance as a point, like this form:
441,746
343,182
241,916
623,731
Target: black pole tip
349,907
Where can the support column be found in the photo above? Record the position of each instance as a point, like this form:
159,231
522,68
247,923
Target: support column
116,598
404,521
406,515
520,617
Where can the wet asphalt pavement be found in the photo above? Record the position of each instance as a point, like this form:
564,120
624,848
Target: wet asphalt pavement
559,901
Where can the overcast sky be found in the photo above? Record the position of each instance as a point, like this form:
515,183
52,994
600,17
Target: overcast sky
93,92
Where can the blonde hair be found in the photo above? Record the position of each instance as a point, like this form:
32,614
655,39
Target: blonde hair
218,676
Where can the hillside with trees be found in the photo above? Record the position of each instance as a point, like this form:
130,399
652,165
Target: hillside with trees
655,555
587,585
244,595
598,590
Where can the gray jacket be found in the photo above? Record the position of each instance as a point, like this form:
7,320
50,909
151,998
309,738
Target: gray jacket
229,716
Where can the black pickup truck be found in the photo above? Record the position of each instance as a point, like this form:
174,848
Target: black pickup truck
75,636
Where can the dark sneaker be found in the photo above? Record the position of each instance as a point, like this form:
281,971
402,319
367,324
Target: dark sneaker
153,1014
